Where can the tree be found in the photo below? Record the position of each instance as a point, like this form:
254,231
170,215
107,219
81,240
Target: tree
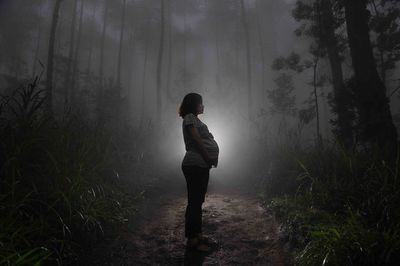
121,40
283,102
76,55
293,63
375,117
160,59
102,44
385,24
50,57
261,44
320,23
38,40
248,59
67,81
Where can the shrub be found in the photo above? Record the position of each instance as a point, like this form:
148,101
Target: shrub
345,209
58,186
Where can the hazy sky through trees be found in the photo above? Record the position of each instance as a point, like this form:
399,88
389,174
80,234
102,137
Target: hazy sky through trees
204,50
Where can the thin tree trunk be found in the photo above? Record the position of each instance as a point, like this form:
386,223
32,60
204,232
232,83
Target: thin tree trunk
184,47
315,92
144,84
217,54
169,95
89,63
71,52
248,59
50,58
101,63
375,117
76,56
121,41
160,60
102,44
261,42
132,56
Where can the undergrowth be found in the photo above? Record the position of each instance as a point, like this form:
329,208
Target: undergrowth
336,207
59,189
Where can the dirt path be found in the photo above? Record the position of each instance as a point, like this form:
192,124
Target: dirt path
245,232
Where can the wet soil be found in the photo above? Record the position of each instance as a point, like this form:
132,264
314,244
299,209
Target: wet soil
245,233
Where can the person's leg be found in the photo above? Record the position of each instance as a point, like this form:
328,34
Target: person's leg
204,176
193,209
193,216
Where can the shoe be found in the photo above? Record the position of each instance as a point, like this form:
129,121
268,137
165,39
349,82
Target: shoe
208,241
198,246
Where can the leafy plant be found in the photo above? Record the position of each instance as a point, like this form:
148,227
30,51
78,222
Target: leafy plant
59,191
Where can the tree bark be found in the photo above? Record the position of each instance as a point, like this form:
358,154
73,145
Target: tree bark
375,117
248,59
71,52
160,60
50,58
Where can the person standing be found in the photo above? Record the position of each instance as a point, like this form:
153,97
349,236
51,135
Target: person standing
201,154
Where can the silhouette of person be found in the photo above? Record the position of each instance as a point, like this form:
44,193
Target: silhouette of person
201,154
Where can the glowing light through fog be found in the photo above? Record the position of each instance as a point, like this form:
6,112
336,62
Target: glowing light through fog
228,132
225,132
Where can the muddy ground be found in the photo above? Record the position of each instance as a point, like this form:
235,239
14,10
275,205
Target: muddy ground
245,232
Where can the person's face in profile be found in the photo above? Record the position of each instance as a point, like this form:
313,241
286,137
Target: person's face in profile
200,108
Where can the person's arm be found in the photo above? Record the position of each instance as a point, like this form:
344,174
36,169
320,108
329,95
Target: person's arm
200,145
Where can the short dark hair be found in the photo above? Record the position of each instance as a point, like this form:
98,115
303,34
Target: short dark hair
189,104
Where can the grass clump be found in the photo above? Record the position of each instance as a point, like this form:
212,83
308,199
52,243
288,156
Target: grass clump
344,208
59,191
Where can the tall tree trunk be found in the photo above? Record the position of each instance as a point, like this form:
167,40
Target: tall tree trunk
132,56
71,52
217,53
341,104
121,41
375,117
50,58
143,114
89,62
76,55
248,60
160,60
169,68
184,48
261,43
102,44
101,63
315,92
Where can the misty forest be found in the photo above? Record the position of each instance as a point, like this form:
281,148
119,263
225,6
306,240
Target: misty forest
302,97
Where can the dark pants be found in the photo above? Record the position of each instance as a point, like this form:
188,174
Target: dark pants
196,182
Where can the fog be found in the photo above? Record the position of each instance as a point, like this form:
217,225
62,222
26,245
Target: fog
276,77
204,52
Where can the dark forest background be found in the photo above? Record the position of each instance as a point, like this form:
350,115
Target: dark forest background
302,96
